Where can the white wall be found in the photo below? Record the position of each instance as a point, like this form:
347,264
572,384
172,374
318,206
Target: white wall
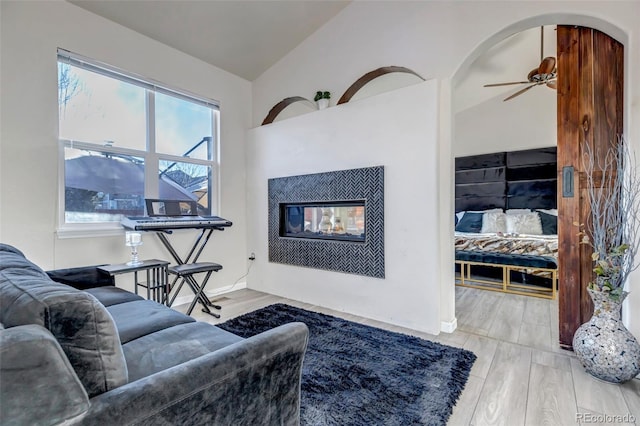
440,40
31,33
525,122
396,129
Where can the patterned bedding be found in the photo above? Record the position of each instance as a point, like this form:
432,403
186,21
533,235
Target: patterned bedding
536,245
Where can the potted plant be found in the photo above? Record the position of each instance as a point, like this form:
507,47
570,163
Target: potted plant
606,349
322,99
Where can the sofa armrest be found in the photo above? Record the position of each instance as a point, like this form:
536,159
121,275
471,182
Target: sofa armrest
38,386
254,381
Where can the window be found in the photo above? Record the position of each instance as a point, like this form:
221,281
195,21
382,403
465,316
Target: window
124,139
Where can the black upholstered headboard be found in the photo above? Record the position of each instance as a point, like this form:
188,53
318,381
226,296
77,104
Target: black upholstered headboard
507,180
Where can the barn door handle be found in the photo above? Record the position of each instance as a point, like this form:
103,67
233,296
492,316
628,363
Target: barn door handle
567,181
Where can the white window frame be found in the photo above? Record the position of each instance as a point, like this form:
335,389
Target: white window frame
150,156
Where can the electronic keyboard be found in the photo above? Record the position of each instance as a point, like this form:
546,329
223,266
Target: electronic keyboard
165,223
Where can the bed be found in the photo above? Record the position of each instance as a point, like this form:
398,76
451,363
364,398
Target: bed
506,222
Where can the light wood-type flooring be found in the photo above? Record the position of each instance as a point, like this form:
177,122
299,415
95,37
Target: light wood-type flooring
521,376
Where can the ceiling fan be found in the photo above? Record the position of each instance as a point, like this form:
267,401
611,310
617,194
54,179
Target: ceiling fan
545,73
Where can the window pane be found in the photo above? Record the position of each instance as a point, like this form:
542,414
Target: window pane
181,126
102,187
98,109
185,181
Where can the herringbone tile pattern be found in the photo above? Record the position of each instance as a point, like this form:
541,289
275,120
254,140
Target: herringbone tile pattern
351,257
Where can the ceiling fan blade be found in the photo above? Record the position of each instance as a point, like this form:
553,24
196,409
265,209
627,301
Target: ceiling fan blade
520,92
547,65
506,84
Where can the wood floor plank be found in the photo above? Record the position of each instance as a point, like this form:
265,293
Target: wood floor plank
536,336
507,318
551,398
466,405
554,360
480,319
503,398
596,395
631,393
536,311
466,302
554,326
485,349
456,339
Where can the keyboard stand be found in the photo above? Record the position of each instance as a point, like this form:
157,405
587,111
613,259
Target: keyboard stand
192,257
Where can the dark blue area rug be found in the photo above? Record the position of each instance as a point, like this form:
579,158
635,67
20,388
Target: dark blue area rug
355,374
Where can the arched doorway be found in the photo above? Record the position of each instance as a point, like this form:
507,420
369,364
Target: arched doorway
574,105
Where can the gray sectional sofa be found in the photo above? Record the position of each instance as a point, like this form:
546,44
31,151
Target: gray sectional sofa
105,356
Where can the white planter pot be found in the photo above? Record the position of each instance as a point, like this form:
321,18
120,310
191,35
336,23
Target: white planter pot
322,103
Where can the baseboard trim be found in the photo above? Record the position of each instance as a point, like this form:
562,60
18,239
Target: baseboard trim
449,326
181,300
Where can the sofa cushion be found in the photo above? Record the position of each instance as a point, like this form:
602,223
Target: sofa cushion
109,296
38,384
172,346
141,317
81,324
12,258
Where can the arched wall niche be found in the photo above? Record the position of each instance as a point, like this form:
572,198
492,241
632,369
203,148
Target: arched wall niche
289,107
380,80
377,81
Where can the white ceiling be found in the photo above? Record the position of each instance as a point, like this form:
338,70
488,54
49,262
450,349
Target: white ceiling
246,37
507,61
243,37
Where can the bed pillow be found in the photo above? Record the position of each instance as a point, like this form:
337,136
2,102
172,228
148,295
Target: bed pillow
517,211
494,222
524,223
549,223
552,212
470,222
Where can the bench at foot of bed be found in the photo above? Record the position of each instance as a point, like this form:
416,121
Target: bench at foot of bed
508,263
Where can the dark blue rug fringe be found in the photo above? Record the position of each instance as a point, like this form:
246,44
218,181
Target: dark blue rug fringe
354,374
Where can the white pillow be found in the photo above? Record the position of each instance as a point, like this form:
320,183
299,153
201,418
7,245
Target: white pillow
518,211
553,212
494,222
524,223
460,214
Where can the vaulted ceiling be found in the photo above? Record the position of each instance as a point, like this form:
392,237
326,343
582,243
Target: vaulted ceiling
242,37
246,37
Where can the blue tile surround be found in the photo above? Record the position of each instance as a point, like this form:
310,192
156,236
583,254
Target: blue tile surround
351,257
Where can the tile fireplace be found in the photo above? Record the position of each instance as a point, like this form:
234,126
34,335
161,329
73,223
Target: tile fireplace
332,221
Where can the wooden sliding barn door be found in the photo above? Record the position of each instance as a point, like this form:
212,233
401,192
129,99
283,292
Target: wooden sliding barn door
590,109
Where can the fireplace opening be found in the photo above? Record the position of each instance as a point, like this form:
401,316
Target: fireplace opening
332,220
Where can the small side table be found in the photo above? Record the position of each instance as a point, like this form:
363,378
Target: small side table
157,281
